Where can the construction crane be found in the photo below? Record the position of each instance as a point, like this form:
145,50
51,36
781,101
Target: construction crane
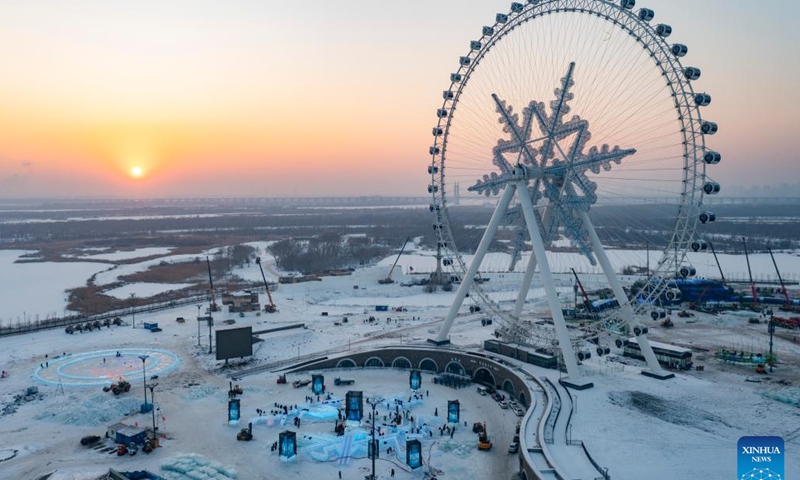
271,308
780,279
213,304
750,273
717,260
388,278
586,300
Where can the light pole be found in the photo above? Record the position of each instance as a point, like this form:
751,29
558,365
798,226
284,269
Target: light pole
152,387
133,312
210,322
569,433
374,402
144,379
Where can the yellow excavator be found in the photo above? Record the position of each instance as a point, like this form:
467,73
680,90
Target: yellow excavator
483,439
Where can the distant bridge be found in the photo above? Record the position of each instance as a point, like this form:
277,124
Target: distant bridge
377,200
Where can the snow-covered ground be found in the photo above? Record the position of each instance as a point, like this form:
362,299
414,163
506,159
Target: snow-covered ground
31,289
638,427
145,289
130,254
47,281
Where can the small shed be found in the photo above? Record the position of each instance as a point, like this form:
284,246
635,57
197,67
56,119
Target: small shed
125,434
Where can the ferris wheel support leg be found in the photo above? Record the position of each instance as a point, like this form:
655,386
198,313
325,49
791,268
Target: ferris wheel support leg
466,282
562,333
625,305
525,286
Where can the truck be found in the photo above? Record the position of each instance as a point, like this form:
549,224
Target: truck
343,381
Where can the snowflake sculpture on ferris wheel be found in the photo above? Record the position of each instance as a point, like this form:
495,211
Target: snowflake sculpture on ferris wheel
761,474
558,174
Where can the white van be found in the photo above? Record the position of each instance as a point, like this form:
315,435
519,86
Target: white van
482,391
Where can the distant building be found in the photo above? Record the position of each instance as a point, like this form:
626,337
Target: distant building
243,302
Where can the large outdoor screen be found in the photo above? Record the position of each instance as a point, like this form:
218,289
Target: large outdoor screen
234,343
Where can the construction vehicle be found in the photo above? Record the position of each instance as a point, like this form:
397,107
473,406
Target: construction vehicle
685,314
245,434
586,302
388,279
70,329
343,381
760,368
483,439
477,427
235,390
147,447
270,308
90,440
667,323
780,279
121,449
281,379
301,383
118,387
719,267
790,323
213,307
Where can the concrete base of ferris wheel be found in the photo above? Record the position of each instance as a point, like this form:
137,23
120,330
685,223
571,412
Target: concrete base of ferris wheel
439,343
659,375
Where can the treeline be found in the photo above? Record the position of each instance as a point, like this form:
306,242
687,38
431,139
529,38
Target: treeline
326,252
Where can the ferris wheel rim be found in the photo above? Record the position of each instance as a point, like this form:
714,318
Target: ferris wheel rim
680,87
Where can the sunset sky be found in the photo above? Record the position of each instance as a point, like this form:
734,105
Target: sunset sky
321,97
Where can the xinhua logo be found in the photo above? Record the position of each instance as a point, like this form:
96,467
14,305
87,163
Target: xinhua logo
760,458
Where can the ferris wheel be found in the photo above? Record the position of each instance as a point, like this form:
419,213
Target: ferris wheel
578,124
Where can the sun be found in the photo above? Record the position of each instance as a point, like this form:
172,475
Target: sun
136,172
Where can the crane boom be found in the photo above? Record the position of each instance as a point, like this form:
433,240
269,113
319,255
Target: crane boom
213,304
750,273
271,308
388,278
780,279
717,260
583,292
